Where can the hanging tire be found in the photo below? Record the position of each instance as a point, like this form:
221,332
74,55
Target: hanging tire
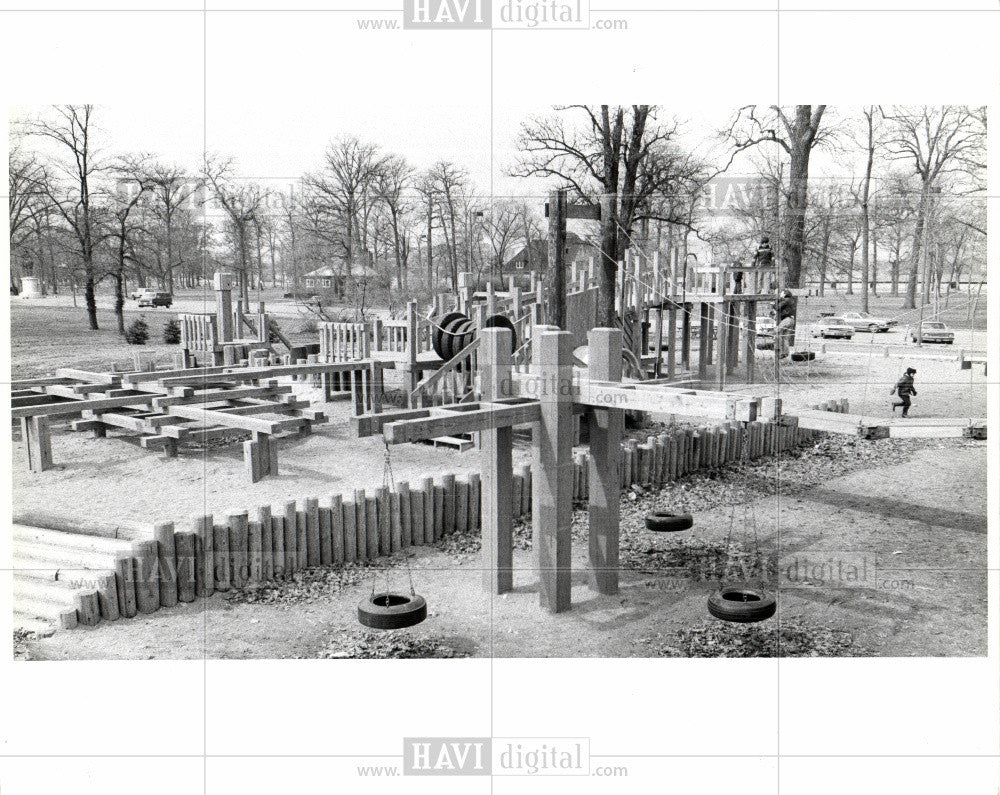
803,356
392,611
502,321
665,522
742,604
462,334
437,335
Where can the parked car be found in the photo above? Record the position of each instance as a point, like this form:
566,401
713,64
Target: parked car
764,328
833,327
932,331
862,321
151,298
138,293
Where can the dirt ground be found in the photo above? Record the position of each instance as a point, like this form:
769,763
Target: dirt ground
919,528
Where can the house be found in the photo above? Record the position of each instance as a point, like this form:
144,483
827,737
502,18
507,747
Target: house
578,250
321,278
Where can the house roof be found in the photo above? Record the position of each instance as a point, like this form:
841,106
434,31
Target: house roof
540,248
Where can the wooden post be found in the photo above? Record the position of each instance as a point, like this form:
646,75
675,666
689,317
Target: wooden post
38,442
255,552
290,532
606,429
556,314
163,533
686,336
184,549
497,447
384,529
350,533
147,586
266,542
448,520
751,350
313,547
552,467
204,553
371,527
704,341
337,528
239,548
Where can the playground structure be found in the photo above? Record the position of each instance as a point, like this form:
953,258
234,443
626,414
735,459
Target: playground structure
214,337
167,407
74,570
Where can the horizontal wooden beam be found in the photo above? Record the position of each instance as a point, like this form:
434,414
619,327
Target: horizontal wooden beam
111,379
450,423
253,424
75,407
892,427
655,398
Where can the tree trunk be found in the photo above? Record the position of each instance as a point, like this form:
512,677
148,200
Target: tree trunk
918,234
608,271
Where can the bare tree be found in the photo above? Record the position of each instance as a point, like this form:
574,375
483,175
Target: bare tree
69,187
941,143
133,183
172,189
797,133
617,158
26,200
392,184
344,186
241,203
449,183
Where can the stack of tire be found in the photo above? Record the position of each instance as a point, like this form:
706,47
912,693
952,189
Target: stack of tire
454,332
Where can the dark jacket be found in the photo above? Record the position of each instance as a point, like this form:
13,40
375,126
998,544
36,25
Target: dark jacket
904,386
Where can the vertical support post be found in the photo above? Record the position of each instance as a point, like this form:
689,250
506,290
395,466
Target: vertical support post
552,467
497,447
705,340
751,353
671,340
223,283
556,314
606,429
722,320
412,347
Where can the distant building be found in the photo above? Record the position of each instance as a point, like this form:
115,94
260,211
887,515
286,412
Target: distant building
321,278
578,250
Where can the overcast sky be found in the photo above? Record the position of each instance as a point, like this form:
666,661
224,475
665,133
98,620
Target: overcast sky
281,143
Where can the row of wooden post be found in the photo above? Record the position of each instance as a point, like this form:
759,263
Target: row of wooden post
245,549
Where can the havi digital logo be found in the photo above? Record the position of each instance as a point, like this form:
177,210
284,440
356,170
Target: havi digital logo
447,14
447,756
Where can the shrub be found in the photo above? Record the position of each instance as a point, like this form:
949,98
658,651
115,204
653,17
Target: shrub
137,333
172,332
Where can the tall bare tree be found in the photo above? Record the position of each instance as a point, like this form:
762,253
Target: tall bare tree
172,189
392,185
240,201
69,186
941,143
797,132
614,157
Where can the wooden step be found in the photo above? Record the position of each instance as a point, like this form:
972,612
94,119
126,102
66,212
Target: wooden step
34,610
67,540
460,443
85,601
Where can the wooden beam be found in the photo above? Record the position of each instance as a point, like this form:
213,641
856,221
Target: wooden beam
75,407
552,467
497,476
451,423
606,428
221,417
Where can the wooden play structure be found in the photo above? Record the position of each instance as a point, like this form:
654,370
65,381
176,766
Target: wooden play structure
215,338
546,395
168,407
74,570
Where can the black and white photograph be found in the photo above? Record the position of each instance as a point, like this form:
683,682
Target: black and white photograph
340,337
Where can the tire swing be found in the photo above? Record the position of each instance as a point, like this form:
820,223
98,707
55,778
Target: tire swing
391,609
666,522
742,602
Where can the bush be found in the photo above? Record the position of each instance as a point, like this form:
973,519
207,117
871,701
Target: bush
137,333
172,332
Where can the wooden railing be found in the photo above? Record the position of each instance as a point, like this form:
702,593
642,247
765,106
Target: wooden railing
451,383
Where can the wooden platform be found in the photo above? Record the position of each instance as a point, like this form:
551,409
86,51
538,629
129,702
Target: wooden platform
893,427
